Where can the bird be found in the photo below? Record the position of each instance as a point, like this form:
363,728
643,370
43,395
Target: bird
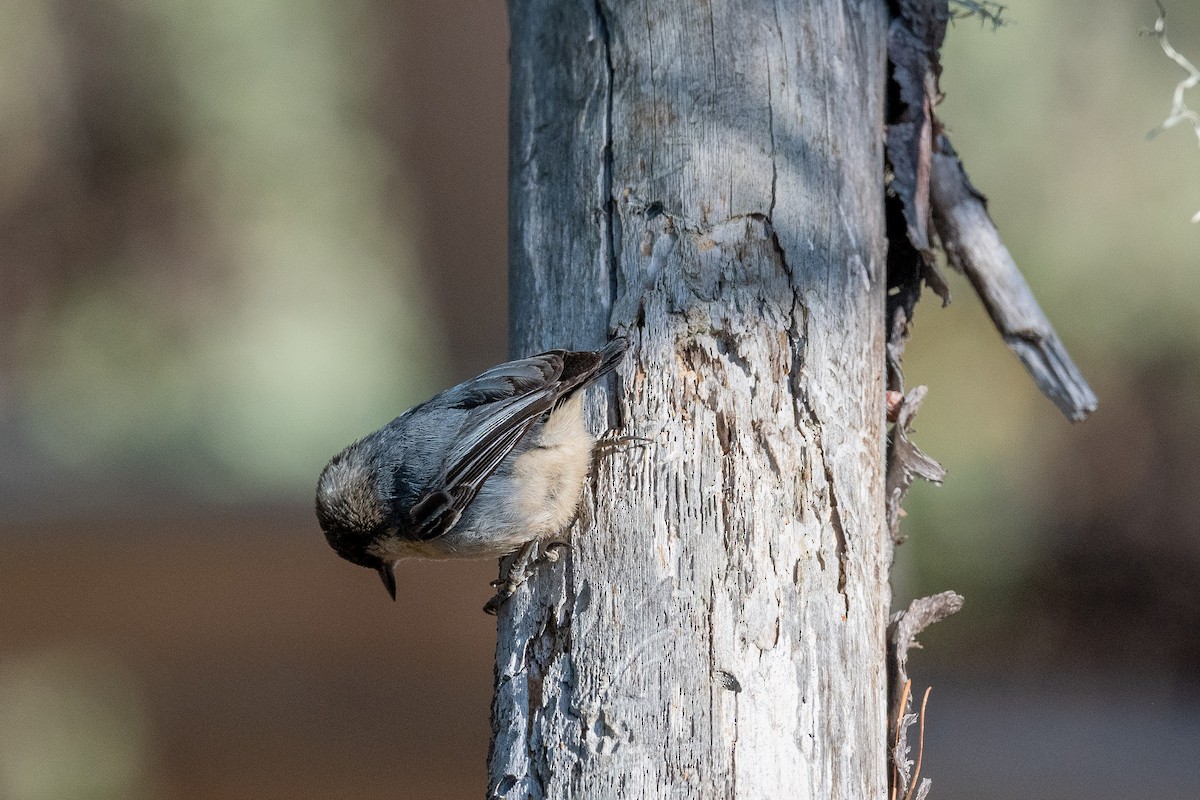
491,466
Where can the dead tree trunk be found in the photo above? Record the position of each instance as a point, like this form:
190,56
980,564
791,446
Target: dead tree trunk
706,178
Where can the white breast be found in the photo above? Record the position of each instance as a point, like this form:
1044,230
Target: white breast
551,475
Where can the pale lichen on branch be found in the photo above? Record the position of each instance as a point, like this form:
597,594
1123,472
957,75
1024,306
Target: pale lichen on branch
988,12
1180,112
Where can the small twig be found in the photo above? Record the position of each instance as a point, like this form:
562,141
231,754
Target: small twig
900,713
900,727
903,706
920,744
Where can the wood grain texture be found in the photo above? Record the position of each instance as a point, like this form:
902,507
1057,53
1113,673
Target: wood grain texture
707,179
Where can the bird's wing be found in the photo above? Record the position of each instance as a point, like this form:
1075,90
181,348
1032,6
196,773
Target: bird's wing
505,382
503,404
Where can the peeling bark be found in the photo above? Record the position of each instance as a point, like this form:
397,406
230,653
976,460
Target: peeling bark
906,462
706,179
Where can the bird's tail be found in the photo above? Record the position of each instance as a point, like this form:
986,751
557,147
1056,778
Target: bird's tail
611,355
581,368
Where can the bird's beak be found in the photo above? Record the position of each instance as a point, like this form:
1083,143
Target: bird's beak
388,573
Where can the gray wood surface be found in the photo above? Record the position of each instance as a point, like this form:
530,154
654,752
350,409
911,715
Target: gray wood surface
707,179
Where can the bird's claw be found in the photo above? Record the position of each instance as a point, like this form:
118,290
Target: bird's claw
522,567
609,444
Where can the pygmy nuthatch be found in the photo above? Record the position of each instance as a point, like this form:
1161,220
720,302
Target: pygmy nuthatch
479,470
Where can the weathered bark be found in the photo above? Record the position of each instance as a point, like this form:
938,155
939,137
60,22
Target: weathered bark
707,179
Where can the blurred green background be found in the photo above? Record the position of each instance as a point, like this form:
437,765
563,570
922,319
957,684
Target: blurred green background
234,236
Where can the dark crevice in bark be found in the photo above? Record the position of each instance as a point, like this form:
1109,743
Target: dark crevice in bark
609,238
835,513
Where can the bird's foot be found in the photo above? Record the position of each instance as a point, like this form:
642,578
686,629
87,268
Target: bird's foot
519,567
611,443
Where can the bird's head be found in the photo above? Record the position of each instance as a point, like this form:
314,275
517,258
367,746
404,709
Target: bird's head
352,511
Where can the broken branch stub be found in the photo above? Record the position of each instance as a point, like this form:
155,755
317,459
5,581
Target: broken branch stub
973,246
929,192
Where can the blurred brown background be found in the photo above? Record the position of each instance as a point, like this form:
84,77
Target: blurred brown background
234,236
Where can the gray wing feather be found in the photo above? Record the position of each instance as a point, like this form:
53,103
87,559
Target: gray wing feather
504,403
504,381
492,429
